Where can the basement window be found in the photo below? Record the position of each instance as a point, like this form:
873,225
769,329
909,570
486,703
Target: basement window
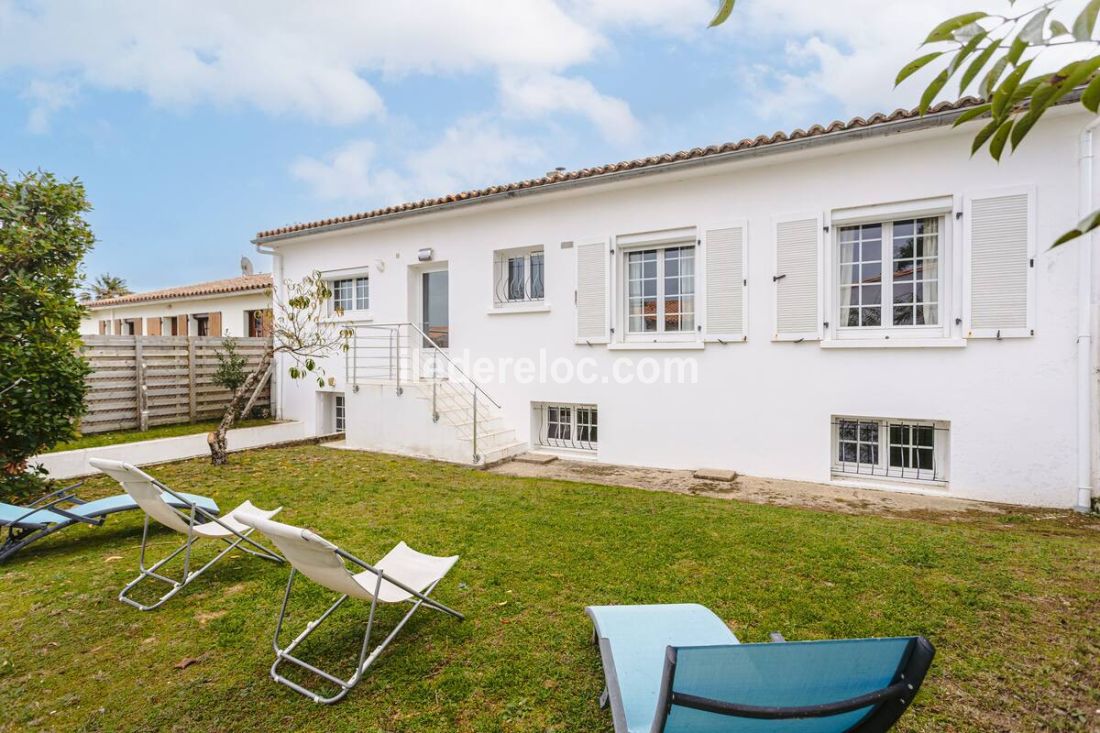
568,426
909,450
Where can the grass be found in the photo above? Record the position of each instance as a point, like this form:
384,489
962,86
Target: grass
1012,603
117,437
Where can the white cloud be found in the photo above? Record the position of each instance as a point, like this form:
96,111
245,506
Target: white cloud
46,98
473,153
845,51
283,56
675,17
542,94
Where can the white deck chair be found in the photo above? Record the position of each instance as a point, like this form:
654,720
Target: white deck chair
402,575
194,522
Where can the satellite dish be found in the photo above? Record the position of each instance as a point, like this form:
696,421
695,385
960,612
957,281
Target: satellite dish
246,266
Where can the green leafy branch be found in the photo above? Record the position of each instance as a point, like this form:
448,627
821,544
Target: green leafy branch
998,51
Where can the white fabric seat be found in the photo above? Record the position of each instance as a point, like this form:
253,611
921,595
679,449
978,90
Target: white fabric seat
193,521
403,575
229,525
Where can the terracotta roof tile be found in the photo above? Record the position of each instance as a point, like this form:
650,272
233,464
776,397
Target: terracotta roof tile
816,130
243,283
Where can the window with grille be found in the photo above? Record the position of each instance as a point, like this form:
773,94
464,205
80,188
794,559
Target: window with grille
902,449
519,276
567,426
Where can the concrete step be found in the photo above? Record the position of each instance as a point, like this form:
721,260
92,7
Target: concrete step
488,441
502,453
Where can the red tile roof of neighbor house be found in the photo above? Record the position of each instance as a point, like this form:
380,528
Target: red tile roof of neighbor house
239,284
948,110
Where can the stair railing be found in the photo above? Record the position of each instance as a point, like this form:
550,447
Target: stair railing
395,352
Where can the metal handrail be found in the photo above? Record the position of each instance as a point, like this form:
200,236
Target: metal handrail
395,359
438,350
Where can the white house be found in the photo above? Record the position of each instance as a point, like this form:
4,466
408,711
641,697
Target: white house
237,306
863,303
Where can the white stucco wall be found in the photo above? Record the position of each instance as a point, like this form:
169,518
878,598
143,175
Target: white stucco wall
761,407
231,306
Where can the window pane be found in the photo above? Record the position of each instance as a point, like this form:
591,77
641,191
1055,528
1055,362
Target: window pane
642,291
362,293
861,275
515,278
342,295
537,276
871,317
916,272
847,430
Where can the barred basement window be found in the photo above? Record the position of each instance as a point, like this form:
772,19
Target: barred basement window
902,449
575,427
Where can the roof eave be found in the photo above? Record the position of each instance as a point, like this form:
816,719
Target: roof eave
883,129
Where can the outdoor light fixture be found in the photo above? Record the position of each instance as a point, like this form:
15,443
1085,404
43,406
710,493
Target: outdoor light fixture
424,255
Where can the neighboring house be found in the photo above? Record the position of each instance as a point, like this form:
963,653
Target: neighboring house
863,303
238,306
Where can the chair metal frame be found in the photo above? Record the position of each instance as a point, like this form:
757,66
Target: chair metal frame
21,534
365,660
188,575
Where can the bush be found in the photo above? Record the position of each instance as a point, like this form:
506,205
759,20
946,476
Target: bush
43,238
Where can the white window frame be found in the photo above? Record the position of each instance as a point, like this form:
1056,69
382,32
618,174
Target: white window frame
881,469
502,295
944,208
360,302
354,274
573,442
339,413
662,240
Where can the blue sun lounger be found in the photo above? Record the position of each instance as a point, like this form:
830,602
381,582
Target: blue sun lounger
678,669
27,524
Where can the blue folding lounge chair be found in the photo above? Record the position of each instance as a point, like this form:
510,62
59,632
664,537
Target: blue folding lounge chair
27,524
678,669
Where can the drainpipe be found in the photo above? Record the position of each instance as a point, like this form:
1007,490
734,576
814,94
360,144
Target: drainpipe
1086,405
276,283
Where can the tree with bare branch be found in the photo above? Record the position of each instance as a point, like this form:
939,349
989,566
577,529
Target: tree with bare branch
301,331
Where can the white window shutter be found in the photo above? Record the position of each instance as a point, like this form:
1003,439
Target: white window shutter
592,294
999,263
797,279
725,256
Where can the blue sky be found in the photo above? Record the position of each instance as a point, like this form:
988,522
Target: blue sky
196,124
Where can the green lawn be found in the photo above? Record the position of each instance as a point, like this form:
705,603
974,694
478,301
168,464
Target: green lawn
98,440
1012,603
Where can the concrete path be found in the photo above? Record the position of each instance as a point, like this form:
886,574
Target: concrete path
73,463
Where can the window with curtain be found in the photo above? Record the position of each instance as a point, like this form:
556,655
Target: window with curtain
660,290
890,274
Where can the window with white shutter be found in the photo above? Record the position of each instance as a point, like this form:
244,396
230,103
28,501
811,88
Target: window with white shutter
1000,263
725,254
592,298
796,278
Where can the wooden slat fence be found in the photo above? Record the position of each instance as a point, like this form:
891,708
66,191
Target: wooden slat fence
176,373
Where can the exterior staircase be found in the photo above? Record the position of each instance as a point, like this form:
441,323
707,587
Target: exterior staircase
413,399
